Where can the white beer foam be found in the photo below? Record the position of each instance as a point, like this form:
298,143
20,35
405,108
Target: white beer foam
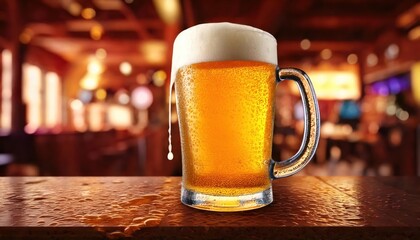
222,42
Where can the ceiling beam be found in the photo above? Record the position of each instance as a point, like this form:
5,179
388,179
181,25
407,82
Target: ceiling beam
341,46
132,19
113,25
86,44
268,16
334,21
4,43
189,13
73,49
64,29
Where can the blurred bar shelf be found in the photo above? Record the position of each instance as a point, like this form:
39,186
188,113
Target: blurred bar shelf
149,208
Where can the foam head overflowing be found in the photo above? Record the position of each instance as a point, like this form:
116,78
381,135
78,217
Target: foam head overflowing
222,42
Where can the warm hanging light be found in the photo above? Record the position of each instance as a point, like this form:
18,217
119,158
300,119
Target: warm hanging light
402,115
95,67
392,51
90,82
372,60
352,58
159,78
96,32
414,33
72,7
26,36
122,97
415,81
326,54
126,68
101,53
94,70
142,79
409,17
88,13
305,44
154,52
169,10
100,94
76,104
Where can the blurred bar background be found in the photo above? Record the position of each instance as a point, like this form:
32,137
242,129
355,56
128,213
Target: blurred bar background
84,84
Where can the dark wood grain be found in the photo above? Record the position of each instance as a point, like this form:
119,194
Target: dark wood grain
397,197
149,208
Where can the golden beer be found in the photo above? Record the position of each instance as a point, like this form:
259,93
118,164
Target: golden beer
226,113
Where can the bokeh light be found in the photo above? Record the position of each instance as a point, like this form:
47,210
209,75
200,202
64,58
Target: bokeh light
326,54
305,44
126,68
142,98
159,78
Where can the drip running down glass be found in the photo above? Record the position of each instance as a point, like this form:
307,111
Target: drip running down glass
225,77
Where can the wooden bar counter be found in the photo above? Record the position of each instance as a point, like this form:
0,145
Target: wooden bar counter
149,208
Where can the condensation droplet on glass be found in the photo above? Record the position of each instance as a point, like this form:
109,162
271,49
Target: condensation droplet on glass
170,156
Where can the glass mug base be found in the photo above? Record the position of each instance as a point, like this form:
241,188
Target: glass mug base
226,203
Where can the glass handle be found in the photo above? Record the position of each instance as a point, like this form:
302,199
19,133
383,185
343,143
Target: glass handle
311,121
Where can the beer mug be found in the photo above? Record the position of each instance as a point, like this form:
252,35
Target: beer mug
225,76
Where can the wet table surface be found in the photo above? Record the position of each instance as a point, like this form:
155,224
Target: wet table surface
149,208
